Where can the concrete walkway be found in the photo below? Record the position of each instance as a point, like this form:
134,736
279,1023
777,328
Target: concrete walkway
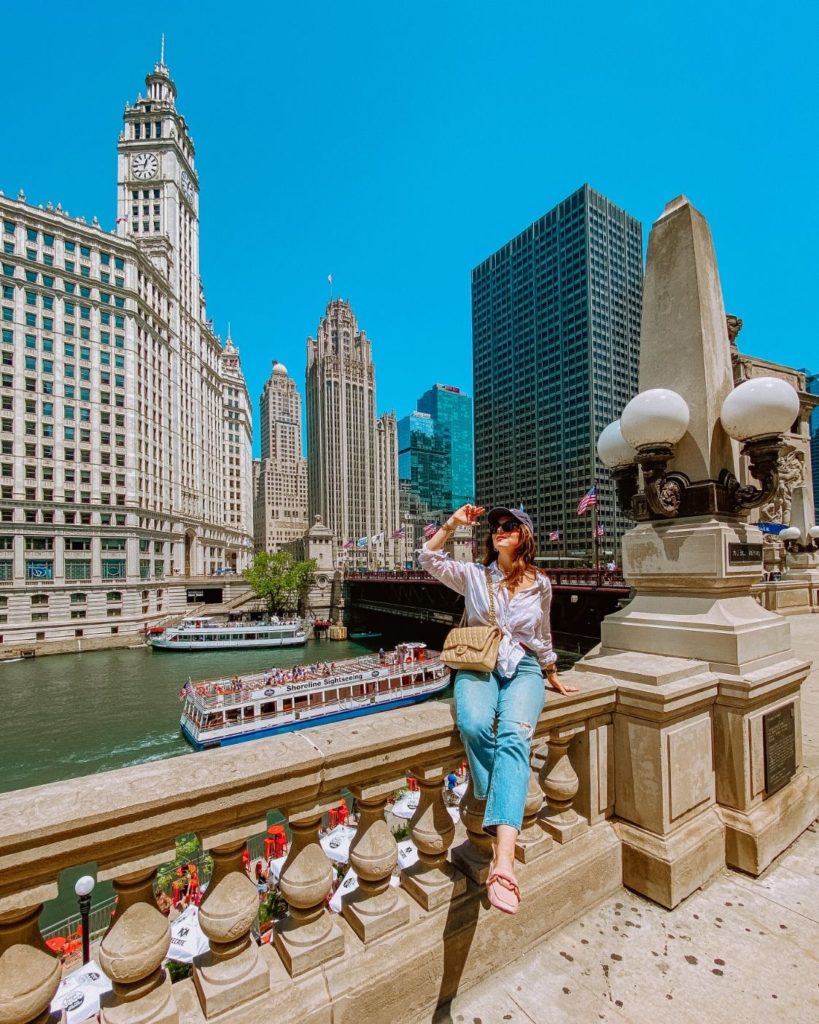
742,949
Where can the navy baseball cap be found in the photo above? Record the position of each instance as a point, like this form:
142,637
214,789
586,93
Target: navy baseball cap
496,514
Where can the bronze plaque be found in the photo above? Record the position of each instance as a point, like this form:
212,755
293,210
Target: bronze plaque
779,731
744,554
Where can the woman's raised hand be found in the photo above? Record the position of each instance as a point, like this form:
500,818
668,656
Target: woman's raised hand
467,515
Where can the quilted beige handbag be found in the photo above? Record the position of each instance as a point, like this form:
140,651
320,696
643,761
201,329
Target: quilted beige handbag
474,647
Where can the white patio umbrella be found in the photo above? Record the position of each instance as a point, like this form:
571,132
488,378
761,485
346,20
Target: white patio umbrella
79,992
187,938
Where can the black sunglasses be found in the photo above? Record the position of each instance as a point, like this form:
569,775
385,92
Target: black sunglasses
508,526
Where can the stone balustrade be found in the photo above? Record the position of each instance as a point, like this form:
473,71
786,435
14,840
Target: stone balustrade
127,821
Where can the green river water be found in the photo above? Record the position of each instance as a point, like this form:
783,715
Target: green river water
77,714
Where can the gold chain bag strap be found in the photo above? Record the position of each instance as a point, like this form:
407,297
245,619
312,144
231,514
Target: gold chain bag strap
474,647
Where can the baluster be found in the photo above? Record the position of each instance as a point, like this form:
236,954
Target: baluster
474,854
233,971
29,974
308,936
560,784
375,907
532,841
432,881
131,954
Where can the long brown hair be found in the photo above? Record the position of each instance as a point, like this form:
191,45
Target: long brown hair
523,557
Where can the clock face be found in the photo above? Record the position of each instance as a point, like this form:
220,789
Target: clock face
187,186
144,166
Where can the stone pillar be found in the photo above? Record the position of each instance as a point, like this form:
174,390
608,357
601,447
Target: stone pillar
232,971
375,907
432,881
594,748
673,840
131,954
759,824
29,973
560,784
692,578
474,854
308,936
533,841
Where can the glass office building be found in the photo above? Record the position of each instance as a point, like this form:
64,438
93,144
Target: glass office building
556,330
423,458
451,411
435,450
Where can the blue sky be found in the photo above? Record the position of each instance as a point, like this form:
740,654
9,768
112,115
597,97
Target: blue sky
397,145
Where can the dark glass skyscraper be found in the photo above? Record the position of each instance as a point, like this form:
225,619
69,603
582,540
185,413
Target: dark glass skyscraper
555,331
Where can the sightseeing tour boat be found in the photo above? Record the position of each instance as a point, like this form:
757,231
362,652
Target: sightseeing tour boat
206,634
218,712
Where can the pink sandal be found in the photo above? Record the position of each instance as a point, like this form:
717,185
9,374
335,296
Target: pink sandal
502,890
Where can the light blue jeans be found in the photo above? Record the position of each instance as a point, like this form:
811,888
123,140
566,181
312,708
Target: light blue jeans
496,718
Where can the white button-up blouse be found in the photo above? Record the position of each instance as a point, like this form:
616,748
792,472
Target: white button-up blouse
523,619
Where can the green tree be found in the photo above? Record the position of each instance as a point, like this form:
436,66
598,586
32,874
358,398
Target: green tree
280,580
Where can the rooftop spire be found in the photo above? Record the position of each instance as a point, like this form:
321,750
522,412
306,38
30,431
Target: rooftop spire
162,51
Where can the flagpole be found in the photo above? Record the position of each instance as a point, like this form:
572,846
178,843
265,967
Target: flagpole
594,533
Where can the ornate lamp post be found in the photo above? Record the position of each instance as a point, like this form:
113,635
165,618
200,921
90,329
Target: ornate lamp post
702,668
757,413
83,888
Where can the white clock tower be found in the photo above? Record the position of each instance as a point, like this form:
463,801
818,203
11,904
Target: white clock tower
158,191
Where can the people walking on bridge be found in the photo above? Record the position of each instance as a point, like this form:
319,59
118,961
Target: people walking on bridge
497,711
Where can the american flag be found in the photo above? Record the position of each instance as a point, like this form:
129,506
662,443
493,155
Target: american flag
399,534
349,543
600,531
430,530
554,535
589,500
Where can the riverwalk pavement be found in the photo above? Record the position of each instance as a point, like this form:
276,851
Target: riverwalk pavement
740,949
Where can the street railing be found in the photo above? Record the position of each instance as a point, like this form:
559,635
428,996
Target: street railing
127,822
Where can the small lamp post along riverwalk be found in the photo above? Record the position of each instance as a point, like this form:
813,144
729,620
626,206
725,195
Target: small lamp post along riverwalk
83,887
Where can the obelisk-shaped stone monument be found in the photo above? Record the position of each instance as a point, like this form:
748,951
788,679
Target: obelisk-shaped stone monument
701,666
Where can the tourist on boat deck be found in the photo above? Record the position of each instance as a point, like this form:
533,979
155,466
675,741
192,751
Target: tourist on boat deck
497,711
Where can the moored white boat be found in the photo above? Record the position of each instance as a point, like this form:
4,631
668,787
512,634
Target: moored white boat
225,711
207,634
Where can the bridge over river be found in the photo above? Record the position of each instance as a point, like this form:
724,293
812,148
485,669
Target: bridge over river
383,598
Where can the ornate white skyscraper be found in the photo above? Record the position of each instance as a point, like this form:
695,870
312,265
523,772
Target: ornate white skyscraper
280,507
127,468
345,486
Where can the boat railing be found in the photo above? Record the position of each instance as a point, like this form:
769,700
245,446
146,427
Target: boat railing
222,701
127,822
259,681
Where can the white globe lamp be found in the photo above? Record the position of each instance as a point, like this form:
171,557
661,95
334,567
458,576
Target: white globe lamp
790,533
613,449
657,418
760,407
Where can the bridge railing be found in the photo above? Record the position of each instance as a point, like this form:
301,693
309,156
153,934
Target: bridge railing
127,821
599,578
